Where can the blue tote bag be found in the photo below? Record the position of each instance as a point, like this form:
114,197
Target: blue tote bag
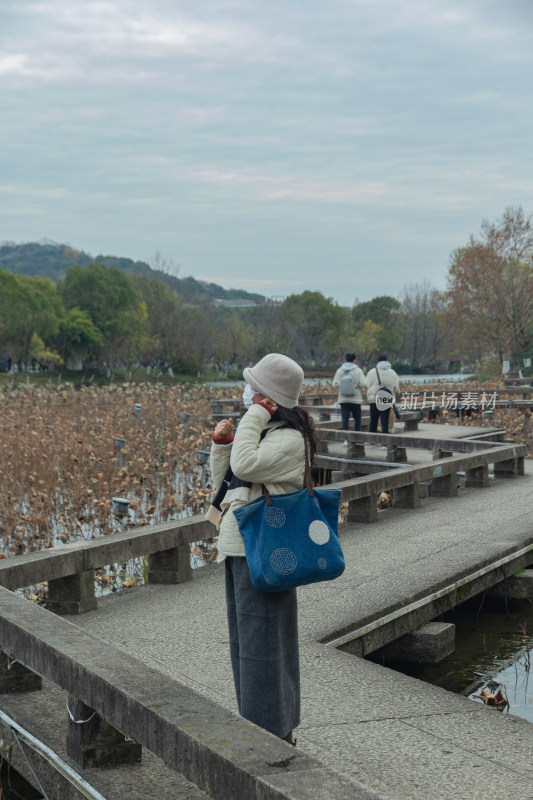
291,539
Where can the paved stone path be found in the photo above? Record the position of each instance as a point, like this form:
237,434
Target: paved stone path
405,739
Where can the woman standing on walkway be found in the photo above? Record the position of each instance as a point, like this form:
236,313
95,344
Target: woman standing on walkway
268,447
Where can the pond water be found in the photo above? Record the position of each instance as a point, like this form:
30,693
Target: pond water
493,641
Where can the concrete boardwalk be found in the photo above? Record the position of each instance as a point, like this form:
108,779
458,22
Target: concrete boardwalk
417,456
403,738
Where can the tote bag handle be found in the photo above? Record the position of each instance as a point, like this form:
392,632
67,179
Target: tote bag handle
308,478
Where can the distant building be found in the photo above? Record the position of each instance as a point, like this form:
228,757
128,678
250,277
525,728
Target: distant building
236,303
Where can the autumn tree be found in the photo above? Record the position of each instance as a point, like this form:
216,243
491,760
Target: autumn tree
490,288
365,343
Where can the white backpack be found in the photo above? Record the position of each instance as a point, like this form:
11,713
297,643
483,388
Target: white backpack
347,385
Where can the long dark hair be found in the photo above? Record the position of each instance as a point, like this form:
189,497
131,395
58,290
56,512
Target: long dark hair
299,419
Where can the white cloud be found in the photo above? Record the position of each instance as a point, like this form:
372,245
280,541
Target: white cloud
288,187
96,41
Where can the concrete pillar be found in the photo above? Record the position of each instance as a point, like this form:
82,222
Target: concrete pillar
410,424
441,454
346,472
396,454
478,477
509,469
322,445
363,510
425,489
15,677
406,496
356,450
338,475
93,742
171,566
444,486
73,594
516,587
427,645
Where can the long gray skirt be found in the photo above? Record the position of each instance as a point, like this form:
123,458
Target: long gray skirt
263,634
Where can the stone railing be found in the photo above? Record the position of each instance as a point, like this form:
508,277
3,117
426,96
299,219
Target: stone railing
120,699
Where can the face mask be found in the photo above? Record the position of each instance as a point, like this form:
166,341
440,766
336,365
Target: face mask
248,395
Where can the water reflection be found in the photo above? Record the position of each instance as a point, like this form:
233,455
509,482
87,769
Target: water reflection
495,643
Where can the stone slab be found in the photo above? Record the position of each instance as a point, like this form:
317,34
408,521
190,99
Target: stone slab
408,764
428,644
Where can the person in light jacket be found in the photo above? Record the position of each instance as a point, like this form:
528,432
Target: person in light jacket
350,403
381,375
268,447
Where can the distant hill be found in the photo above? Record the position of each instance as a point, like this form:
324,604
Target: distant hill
51,260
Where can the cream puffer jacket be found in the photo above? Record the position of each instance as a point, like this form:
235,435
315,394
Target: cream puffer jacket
359,380
387,377
277,460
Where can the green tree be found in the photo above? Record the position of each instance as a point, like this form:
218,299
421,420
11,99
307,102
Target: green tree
176,334
366,342
78,337
312,325
265,329
162,308
107,296
13,307
43,354
195,339
28,305
382,311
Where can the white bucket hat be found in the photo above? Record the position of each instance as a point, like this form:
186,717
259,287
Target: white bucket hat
277,377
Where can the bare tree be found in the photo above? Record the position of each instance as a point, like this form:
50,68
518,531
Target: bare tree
165,264
423,324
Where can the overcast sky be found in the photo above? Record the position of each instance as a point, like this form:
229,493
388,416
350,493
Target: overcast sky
344,146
